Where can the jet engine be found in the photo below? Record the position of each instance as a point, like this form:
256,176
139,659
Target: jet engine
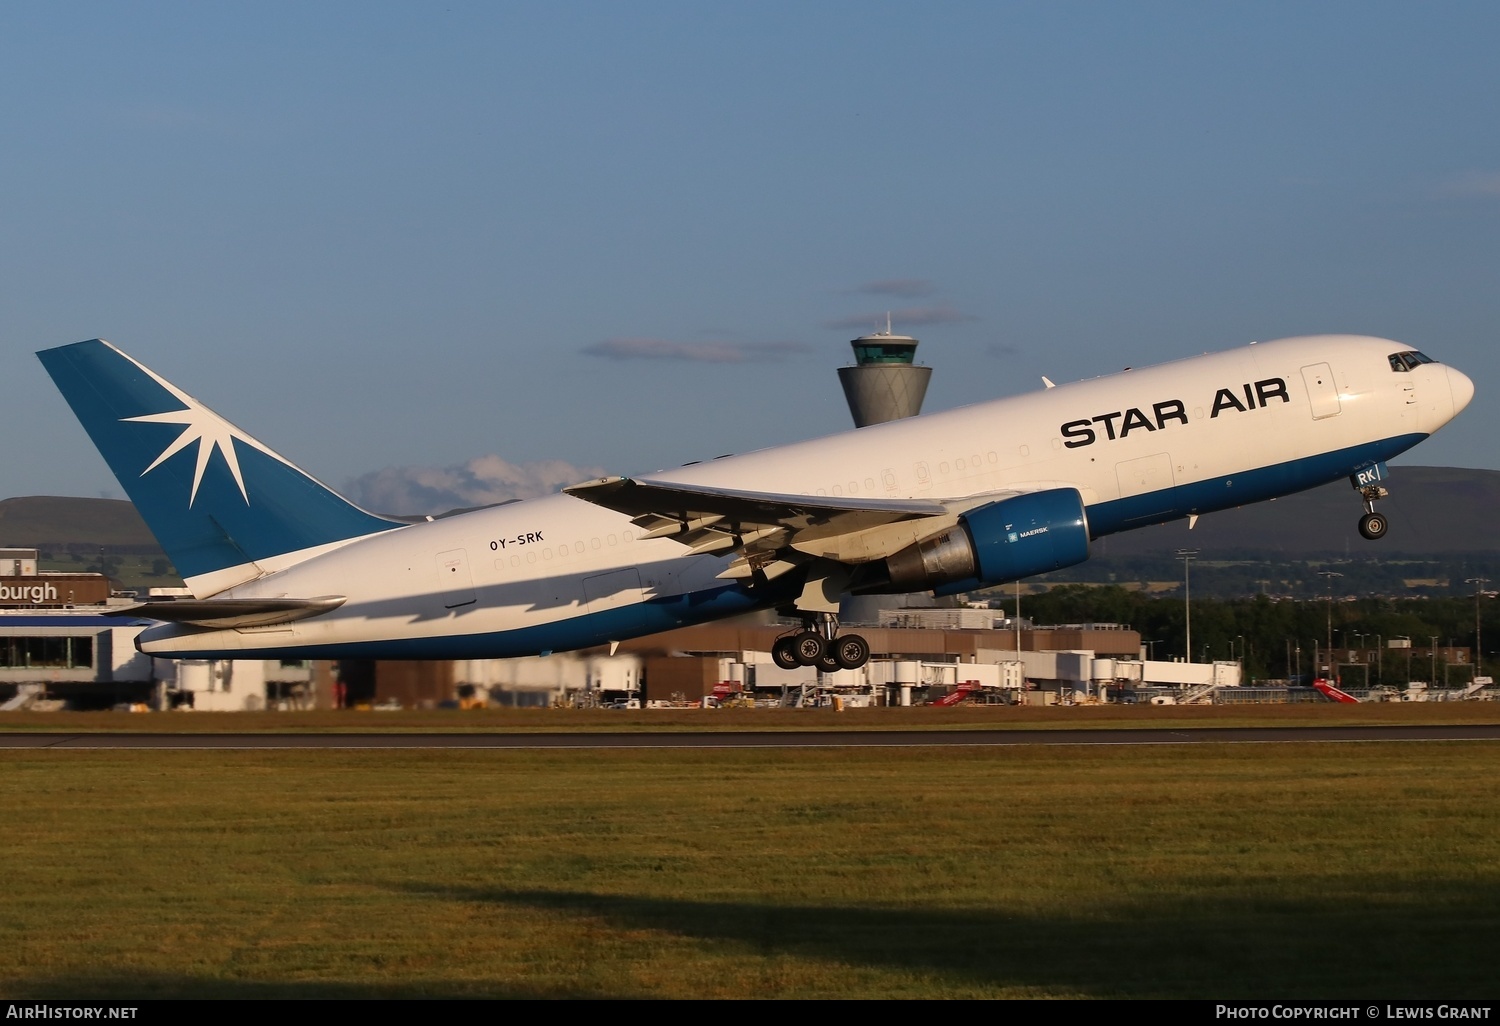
996,543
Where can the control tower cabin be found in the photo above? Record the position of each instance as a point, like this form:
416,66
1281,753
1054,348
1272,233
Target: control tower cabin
884,383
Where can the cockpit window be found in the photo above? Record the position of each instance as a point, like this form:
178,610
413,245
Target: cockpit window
1410,360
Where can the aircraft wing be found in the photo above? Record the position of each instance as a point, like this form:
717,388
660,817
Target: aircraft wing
766,528
225,613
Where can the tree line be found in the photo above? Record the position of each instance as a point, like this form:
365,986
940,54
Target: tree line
1277,638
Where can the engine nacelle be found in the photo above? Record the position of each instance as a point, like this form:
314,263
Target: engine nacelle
1000,542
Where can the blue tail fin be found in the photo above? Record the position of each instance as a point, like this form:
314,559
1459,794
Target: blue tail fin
214,497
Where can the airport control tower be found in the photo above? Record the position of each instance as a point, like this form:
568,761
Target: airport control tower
884,383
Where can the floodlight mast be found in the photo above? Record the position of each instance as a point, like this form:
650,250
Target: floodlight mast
1187,556
1479,583
1329,575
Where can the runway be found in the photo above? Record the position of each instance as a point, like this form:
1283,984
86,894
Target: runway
700,739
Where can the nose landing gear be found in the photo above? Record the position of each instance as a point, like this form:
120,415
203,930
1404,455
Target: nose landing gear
1367,482
819,644
1373,525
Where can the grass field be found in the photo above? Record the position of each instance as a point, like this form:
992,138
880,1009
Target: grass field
1361,870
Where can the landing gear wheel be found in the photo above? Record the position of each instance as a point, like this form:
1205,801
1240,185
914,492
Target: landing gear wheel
1373,526
829,663
808,647
852,651
784,653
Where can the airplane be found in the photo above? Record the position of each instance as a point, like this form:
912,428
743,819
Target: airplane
280,565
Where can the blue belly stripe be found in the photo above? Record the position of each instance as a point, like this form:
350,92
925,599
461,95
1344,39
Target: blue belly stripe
584,631
1241,489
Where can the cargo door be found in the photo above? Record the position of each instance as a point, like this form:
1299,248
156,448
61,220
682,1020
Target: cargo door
1147,474
615,598
1149,484
455,582
1322,392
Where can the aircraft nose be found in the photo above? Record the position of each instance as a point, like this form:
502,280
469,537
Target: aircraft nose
1463,390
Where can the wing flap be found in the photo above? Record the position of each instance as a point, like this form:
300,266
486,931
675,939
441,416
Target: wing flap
774,532
667,500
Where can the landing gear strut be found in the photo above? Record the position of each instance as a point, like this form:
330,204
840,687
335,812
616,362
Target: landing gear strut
1373,525
819,644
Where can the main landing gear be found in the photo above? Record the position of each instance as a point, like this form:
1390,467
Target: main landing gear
1373,525
818,643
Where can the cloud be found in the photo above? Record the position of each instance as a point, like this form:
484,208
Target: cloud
1471,184
482,481
698,352
910,317
906,288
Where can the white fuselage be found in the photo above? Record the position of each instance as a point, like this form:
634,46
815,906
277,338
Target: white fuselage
1143,446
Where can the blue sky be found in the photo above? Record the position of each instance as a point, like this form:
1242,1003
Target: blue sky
406,239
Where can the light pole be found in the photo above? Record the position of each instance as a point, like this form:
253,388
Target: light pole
1479,583
1432,678
1329,575
1018,621
1187,556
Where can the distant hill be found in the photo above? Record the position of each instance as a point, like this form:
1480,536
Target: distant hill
66,524
1434,511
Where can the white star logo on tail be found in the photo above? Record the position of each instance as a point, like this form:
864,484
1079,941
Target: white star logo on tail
207,428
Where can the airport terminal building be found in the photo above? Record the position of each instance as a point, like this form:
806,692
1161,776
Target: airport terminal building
64,643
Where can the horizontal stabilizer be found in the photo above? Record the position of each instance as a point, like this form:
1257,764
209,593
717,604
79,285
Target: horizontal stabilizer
227,613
